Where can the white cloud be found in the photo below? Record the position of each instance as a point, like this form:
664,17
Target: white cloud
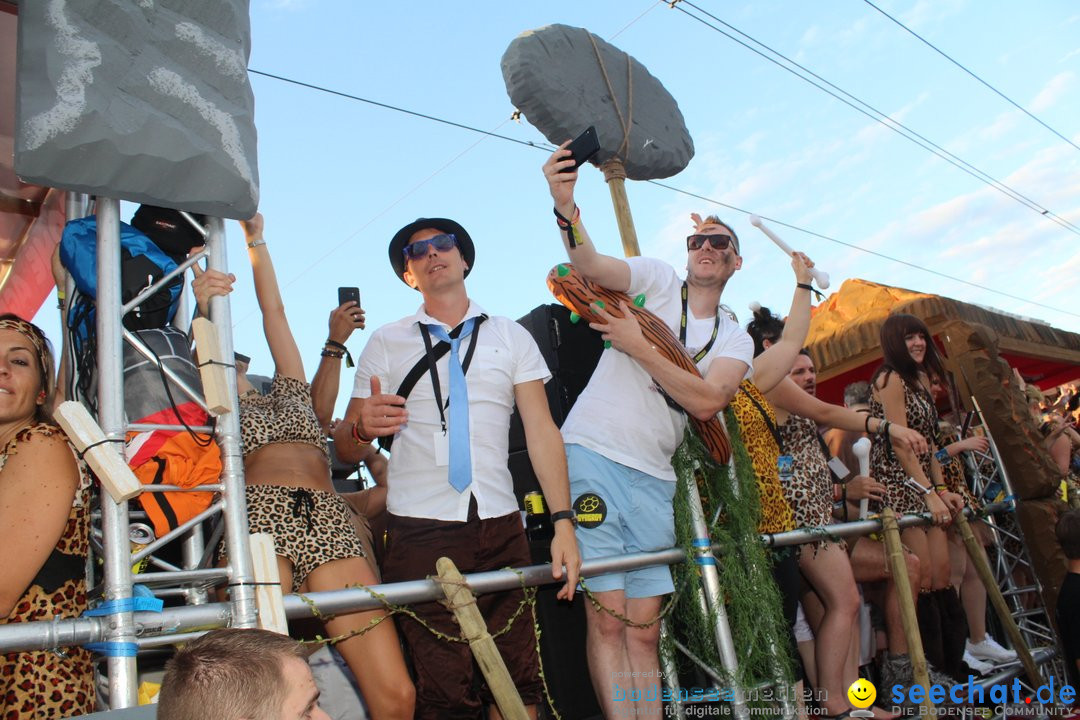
1053,91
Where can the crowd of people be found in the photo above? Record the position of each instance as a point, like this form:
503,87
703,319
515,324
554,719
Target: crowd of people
437,388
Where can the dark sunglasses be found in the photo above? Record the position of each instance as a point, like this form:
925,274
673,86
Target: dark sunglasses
420,248
719,242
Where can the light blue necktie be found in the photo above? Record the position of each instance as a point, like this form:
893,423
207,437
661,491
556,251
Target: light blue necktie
460,454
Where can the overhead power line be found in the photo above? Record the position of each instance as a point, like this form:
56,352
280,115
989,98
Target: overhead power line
997,92
547,147
871,112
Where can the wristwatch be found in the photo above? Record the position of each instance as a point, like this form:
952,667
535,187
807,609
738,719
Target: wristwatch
564,515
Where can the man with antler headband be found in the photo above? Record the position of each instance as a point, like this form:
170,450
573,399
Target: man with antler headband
623,429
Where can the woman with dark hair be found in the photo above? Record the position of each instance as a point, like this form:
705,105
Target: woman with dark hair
44,525
290,494
913,480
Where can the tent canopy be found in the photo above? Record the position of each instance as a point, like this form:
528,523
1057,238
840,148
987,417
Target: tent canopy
843,337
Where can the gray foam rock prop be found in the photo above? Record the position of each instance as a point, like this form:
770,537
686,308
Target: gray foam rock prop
553,76
143,100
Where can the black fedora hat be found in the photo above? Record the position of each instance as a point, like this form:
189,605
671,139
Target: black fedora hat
401,239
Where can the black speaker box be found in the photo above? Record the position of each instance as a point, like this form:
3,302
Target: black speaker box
571,351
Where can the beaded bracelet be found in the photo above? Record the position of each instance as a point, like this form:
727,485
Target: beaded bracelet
339,347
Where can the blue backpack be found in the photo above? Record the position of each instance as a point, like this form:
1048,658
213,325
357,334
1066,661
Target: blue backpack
142,263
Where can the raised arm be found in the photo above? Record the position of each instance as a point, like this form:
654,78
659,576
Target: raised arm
773,365
279,337
324,385
610,272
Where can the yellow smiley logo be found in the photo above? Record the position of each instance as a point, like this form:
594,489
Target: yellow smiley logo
862,693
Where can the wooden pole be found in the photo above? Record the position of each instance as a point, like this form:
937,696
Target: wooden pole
894,553
463,604
975,553
615,175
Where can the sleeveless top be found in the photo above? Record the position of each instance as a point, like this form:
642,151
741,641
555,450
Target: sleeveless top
776,515
40,683
920,415
284,415
810,491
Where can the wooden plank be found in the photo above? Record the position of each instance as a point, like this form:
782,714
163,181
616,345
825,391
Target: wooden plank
212,367
268,598
109,466
473,628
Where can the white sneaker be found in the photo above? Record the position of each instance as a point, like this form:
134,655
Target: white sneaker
978,666
990,651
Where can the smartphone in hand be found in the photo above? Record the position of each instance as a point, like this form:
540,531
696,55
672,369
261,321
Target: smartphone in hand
345,294
583,147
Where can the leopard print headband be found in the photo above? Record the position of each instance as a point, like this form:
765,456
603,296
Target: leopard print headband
31,333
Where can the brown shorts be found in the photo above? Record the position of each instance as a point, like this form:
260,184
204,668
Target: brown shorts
448,681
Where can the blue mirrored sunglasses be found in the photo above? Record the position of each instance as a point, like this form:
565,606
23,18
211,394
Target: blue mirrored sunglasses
420,248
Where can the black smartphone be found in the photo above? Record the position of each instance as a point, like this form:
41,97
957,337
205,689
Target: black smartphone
345,294
583,147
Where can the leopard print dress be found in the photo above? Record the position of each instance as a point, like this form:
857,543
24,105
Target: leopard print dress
757,437
920,416
810,491
41,684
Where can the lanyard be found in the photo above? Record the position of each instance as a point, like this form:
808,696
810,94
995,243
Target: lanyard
431,359
768,421
682,328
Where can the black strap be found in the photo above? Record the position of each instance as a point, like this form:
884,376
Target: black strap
828,456
768,421
422,365
433,371
682,328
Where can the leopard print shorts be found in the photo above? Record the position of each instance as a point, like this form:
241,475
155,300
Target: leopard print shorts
310,527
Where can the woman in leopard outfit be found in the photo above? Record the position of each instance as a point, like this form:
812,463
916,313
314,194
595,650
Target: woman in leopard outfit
290,494
44,515
913,480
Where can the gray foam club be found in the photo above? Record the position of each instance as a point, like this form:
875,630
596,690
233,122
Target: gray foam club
143,100
553,76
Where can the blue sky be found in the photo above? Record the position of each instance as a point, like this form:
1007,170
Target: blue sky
338,177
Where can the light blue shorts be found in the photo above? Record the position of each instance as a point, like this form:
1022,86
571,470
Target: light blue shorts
620,511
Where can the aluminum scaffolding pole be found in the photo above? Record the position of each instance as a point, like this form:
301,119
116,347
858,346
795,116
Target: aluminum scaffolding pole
241,571
117,587
714,597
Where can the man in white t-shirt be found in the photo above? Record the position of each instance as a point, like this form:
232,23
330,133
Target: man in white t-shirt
440,501
622,431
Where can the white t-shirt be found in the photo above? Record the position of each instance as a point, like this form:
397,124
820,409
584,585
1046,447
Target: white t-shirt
505,356
621,413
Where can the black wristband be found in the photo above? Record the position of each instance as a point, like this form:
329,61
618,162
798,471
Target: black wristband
867,424
564,515
805,286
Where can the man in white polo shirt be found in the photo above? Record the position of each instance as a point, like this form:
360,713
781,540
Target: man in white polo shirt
449,491
624,428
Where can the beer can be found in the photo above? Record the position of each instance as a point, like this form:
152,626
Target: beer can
534,503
